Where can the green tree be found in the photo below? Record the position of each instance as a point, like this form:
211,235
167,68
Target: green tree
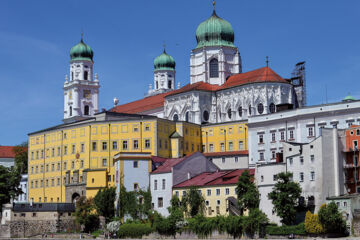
193,202
247,193
331,219
136,204
9,184
252,224
21,157
104,202
285,196
85,214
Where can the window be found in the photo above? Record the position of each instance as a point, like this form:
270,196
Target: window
301,178
227,191
310,132
282,135
273,155
260,108
187,116
290,161
135,129
217,192
37,154
211,147
136,186
37,169
64,165
249,110
312,158
160,202
124,145
291,134
240,111
155,184
177,193
104,146
261,154
166,145
222,147
163,184
160,143
261,138
208,192
262,178
275,177
206,116
231,146
147,127
59,151
214,68
114,145
236,159
312,176
104,162
218,203
94,147
81,163
272,108
135,164
207,203
301,160
53,152
86,110
65,150
273,137
53,167
229,113
184,193
85,75
175,118
241,145
52,182
136,144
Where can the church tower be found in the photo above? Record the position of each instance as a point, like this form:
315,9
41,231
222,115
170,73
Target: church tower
81,91
164,74
215,57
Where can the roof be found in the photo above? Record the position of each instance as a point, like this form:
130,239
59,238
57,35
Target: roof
44,207
175,135
216,178
168,164
7,152
230,153
199,86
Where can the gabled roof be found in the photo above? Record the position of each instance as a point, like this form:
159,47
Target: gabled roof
199,86
175,135
171,162
7,152
215,178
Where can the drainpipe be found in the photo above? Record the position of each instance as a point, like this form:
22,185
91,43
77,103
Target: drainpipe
336,162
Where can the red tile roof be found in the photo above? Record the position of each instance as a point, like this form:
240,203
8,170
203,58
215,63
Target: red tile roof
230,153
215,178
7,152
167,165
199,86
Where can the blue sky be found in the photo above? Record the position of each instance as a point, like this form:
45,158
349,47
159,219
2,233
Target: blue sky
36,36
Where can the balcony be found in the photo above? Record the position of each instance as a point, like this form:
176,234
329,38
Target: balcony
349,165
351,150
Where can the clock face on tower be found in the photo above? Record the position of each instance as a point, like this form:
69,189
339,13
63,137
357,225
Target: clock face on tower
87,94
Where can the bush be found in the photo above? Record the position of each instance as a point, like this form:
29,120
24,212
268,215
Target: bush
92,223
234,226
134,230
331,219
286,230
252,224
312,223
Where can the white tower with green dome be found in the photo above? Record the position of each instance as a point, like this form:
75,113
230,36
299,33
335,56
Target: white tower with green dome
164,74
215,57
81,90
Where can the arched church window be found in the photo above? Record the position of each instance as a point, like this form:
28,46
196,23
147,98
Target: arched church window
85,75
272,107
229,113
260,108
70,111
175,118
249,110
72,76
156,85
206,116
214,68
240,111
86,110
169,84
187,116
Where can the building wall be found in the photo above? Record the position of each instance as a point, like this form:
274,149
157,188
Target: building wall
160,192
231,162
7,162
136,175
24,187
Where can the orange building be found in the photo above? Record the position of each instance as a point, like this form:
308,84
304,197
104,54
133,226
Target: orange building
351,165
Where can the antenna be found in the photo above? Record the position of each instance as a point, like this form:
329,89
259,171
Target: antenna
326,98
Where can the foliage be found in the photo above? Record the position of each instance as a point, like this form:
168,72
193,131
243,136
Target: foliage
137,204
21,157
193,202
234,226
331,219
286,230
247,193
85,214
312,223
134,230
202,226
284,196
254,221
104,202
97,233
172,224
113,226
9,184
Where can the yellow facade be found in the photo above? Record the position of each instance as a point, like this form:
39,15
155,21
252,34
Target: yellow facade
215,198
224,137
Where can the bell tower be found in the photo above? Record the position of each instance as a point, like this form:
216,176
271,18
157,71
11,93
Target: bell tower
81,90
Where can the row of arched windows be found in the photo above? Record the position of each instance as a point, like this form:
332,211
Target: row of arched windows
260,109
86,110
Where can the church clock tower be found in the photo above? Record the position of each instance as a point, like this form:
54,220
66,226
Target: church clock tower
81,90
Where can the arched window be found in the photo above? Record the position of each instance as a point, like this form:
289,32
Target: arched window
156,85
86,110
72,76
70,111
272,108
206,116
240,111
260,108
169,84
187,116
249,110
214,68
176,117
85,75
229,113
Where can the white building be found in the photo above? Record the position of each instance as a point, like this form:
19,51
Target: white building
302,125
24,188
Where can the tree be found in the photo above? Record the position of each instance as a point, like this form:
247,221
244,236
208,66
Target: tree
193,202
312,223
9,184
284,196
254,222
104,202
85,214
137,204
247,193
21,157
331,219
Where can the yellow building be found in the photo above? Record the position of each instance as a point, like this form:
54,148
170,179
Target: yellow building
75,159
217,188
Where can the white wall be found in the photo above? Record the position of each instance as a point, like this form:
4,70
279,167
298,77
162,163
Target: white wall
166,193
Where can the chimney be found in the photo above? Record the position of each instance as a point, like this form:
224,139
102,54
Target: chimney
188,176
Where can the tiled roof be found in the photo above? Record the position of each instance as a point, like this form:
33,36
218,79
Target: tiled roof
199,86
7,152
168,164
215,178
230,153
158,159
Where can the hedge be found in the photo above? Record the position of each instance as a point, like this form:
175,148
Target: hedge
286,230
134,230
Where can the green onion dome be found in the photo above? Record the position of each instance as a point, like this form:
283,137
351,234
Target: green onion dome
215,31
349,98
164,62
81,51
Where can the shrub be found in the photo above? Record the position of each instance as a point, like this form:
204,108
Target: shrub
134,230
234,226
253,222
312,223
92,223
331,219
286,230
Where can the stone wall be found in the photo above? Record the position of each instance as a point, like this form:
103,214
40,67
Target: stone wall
4,231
